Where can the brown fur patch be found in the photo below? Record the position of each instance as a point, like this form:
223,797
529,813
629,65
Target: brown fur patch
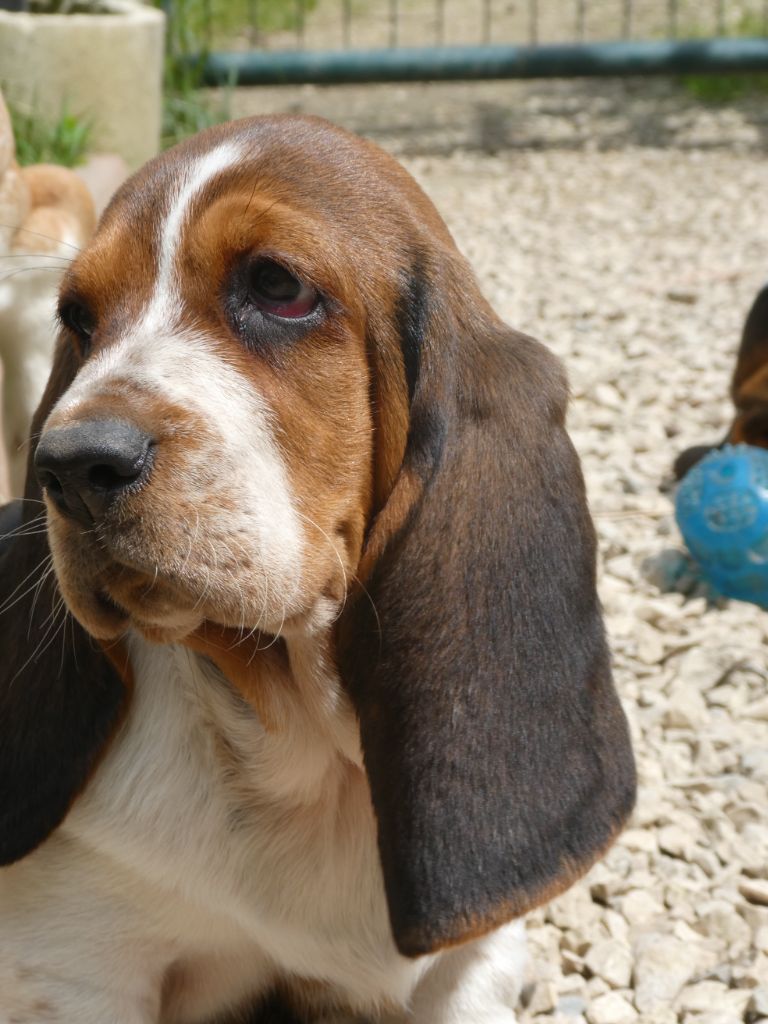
257,667
754,389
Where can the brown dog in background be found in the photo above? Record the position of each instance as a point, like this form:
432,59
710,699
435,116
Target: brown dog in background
749,389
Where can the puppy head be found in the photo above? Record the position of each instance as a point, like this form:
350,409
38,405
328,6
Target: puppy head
276,375
213,459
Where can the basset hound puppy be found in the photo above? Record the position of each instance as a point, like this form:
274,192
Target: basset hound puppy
749,389
304,686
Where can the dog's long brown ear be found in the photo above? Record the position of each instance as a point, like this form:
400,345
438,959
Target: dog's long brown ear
497,752
61,697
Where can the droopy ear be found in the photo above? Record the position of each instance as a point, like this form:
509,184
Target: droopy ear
496,748
60,696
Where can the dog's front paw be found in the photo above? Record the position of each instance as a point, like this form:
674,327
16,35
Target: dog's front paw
478,982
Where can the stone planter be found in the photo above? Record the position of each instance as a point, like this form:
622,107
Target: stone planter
106,66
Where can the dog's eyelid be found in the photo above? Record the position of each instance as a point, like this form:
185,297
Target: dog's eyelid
302,273
75,314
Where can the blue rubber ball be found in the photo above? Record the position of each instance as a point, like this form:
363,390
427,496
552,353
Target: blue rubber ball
722,511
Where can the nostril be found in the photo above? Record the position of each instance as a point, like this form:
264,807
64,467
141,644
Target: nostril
110,478
51,483
104,477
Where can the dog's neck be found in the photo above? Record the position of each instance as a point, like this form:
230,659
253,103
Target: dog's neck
318,696
291,682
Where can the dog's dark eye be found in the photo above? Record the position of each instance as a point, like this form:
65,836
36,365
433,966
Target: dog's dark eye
76,317
275,290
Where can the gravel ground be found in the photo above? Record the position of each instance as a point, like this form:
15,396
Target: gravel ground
626,227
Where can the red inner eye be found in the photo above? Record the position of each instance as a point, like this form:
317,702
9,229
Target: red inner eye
275,290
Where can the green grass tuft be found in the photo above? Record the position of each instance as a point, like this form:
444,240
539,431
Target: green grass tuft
187,108
39,141
728,88
725,88
194,27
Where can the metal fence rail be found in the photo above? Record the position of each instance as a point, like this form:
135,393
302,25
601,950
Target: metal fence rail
327,41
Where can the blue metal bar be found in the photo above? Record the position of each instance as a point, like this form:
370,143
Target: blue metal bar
670,57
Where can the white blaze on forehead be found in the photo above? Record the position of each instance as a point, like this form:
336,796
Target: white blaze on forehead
196,176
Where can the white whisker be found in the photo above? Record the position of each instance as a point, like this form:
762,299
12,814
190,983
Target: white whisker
11,600
19,228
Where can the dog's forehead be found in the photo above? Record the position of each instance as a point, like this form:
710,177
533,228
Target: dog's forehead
311,163
328,202
147,216
316,173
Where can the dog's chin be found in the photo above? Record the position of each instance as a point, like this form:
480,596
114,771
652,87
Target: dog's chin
111,598
113,601
98,615
111,604
159,622
106,620
167,633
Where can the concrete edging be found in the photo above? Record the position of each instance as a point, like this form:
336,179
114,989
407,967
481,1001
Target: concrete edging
107,67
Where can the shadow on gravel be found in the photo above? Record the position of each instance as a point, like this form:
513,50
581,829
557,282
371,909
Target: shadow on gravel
494,117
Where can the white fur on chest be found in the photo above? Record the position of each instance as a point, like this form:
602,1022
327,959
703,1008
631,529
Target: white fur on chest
243,838
208,860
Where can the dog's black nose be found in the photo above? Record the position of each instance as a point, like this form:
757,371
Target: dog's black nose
85,466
